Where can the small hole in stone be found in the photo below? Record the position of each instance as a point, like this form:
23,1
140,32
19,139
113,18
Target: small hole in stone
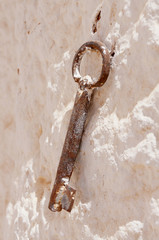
112,54
97,18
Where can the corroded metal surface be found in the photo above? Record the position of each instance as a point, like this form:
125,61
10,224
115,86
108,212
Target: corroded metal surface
62,196
96,46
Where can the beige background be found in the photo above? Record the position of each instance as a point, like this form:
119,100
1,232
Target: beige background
117,170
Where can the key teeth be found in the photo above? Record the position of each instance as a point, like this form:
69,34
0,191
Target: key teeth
62,200
68,198
55,207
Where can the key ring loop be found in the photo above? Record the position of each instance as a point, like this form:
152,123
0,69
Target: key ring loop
82,81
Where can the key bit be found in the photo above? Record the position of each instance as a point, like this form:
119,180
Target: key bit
62,196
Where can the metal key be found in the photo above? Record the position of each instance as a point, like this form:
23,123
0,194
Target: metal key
62,196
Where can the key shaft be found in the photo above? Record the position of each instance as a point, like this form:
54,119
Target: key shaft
62,196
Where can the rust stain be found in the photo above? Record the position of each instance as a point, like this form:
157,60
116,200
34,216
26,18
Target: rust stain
97,18
113,13
40,185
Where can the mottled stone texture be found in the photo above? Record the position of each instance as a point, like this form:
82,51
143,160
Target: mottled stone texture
117,170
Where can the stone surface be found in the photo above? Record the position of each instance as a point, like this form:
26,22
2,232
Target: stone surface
117,170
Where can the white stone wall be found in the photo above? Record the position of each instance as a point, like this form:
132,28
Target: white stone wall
117,170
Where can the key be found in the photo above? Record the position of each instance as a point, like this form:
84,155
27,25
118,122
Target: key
62,196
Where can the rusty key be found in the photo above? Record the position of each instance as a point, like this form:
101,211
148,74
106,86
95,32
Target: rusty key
62,196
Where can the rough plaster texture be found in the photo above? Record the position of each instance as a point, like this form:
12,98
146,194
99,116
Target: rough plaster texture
117,170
